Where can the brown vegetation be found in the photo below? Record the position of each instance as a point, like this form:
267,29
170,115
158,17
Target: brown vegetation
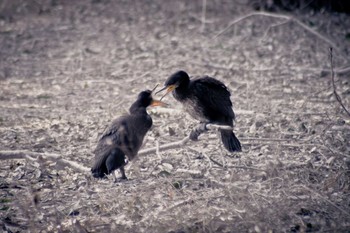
69,67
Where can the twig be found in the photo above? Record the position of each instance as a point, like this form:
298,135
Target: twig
192,172
339,71
156,212
216,162
182,142
174,111
208,64
248,168
307,28
159,158
273,139
334,86
204,154
272,26
204,9
157,150
165,146
239,167
162,110
21,154
328,201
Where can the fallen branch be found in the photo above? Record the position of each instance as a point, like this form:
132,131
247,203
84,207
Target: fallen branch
192,172
274,139
325,199
333,84
339,71
204,10
204,154
199,129
289,18
21,154
35,156
235,166
179,111
209,64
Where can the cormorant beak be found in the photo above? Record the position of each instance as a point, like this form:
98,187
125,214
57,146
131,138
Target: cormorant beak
155,88
169,89
157,103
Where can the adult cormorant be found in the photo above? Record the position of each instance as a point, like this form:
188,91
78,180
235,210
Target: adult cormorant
124,137
207,100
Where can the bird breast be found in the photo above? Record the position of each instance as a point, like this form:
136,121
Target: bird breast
193,108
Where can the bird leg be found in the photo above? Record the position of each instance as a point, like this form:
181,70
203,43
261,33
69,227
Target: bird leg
115,176
123,177
198,130
122,171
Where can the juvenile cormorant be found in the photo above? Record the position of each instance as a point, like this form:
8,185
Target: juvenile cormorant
124,137
207,100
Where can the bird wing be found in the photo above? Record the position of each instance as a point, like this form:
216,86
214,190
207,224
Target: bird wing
215,96
110,138
114,129
108,146
124,133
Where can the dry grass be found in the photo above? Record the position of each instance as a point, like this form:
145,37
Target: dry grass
69,70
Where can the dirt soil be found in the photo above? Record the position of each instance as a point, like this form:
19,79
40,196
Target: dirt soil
68,68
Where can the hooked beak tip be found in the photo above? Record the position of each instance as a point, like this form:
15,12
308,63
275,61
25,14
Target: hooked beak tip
161,90
155,88
169,89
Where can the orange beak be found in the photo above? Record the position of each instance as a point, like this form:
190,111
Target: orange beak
157,103
169,89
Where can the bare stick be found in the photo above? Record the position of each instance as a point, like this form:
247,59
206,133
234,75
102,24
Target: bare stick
325,199
182,142
157,150
307,28
339,71
334,86
273,139
238,167
165,146
323,71
216,162
273,26
204,154
21,154
204,9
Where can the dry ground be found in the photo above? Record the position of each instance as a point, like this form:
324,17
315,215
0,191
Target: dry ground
69,67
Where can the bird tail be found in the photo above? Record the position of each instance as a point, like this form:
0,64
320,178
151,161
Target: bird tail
99,171
107,162
230,141
99,168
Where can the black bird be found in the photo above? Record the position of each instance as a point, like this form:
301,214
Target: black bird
207,100
123,138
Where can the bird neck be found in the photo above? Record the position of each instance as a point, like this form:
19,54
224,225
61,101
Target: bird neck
137,111
137,108
181,92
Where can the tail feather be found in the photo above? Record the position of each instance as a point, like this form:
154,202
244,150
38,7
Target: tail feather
99,172
230,141
107,163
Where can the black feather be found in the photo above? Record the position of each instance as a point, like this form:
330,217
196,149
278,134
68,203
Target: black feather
123,138
207,100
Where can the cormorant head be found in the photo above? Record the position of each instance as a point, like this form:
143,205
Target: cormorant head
145,99
174,81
